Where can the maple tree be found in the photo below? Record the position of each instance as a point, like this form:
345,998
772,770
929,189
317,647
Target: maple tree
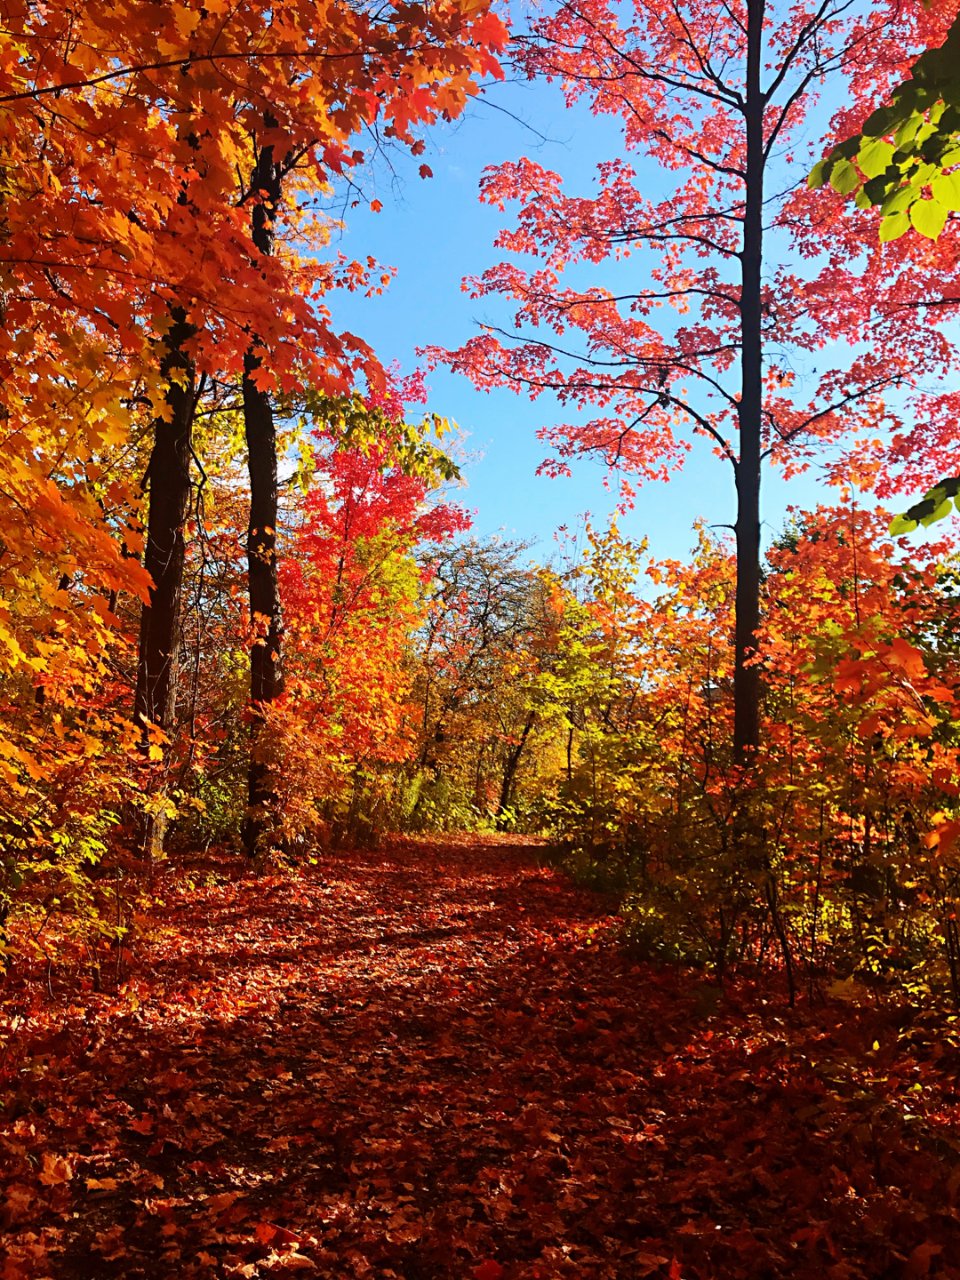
857,796
354,596
266,661
128,239
350,518
714,97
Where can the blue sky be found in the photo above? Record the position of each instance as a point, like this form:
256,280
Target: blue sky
435,232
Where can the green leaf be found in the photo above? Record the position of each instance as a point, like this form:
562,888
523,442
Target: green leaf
898,200
932,68
926,132
946,189
883,120
935,114
940,513
819,173
844,177
875,157
893,227
902,524
929,217
933,506
908,131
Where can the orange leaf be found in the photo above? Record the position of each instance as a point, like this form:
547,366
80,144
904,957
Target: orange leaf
222,1201
56,1170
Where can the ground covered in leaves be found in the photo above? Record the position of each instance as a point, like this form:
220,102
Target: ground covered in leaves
434,1061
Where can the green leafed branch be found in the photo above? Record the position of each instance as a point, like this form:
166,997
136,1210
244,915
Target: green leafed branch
410,446
933,506
904,161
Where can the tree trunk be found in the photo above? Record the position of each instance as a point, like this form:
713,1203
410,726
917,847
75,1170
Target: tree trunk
168,480
266,674
513,761
63,584
266,671
746,677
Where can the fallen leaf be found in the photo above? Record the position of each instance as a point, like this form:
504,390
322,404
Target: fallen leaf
489,1270
222,1201
56,1170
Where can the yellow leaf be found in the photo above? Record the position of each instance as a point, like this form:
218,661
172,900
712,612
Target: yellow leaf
187,21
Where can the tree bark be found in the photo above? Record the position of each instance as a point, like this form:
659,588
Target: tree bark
746,676
266,669
168,480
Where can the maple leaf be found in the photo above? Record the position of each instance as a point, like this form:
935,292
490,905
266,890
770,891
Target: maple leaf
296,1262
56,1170
269,1233
906,657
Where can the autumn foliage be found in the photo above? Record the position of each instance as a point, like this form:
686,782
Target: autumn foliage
258,1015
135,296
843,857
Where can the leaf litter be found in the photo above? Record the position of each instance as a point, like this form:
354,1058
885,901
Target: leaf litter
436,1061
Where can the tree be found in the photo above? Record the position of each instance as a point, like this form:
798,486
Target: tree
354,596
718,95
130,284
148,245
168,480
857,796
266,657
481,647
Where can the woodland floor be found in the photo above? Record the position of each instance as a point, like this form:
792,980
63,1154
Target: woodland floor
434,1062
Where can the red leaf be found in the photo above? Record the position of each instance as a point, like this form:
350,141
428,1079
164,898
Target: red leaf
489,1270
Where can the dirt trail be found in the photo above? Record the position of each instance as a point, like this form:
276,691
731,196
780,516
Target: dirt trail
433,1062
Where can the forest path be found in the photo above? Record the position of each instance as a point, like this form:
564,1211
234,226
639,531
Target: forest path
433,1063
